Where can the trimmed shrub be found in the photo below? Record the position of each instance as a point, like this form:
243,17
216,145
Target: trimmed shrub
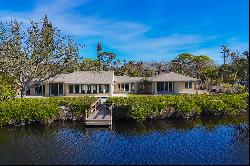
28,110
140,108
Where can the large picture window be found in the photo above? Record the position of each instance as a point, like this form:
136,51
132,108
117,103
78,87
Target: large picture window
165,86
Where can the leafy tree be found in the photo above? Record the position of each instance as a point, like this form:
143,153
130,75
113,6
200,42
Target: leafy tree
105,59
89,64
190,65
6,90
35,54
182,63
132,68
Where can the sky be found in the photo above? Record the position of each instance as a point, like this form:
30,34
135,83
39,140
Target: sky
147,30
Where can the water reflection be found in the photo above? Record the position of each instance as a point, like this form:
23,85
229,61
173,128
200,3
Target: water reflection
199,141
209,124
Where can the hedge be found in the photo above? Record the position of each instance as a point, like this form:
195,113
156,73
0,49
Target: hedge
183,106
27,110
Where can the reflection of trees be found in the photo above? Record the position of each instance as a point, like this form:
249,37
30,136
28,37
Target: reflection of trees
134,128
40,130
210,123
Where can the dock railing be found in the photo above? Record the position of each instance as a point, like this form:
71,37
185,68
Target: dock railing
92,108
92,117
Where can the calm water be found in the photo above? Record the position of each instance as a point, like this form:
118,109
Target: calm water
223,141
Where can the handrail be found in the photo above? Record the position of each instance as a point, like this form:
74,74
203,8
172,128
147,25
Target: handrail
91,109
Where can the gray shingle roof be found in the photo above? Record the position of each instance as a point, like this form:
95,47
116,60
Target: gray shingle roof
85,77
171,77
161,77
125,79
106,77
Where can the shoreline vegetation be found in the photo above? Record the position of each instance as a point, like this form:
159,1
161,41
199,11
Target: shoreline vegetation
139,108
22,111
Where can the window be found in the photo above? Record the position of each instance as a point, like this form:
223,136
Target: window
88,88
160,86
56,89
125,87
188,85
142,86
101,88
170,86
60,89
166,86
39,89
94,88
106,88
83,87
71,88
77,89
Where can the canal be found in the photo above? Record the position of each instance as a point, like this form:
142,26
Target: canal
199,141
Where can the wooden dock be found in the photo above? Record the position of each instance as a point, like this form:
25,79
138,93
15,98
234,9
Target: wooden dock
99,114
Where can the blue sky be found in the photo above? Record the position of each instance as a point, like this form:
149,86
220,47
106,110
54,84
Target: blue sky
143,29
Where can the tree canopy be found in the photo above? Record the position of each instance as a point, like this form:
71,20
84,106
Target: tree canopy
36,53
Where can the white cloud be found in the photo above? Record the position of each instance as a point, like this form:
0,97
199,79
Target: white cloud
127,37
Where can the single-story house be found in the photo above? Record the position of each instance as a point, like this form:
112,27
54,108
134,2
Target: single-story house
105,83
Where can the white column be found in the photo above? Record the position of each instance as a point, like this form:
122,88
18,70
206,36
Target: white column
111,89
97,88
80,88
129,87
91,88
74,89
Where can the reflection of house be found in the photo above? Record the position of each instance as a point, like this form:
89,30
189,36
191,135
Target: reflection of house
104,83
